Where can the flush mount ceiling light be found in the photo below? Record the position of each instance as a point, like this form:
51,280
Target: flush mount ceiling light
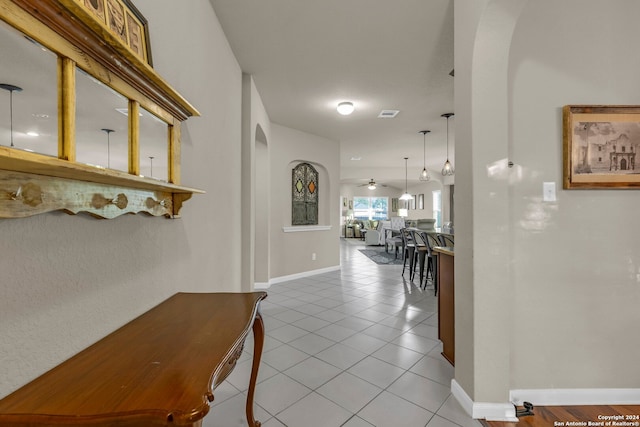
424,175
345,108
406,195
447,169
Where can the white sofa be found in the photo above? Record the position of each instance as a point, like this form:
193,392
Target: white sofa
375,236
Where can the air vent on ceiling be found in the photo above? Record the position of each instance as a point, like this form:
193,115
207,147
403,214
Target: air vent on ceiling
388,114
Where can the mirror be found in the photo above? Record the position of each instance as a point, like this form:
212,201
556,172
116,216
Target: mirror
154,146
101,124
28,98
83,119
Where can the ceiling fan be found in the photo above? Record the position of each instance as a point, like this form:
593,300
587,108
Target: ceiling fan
371,185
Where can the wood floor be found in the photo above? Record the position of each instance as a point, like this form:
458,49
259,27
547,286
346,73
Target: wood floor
576,416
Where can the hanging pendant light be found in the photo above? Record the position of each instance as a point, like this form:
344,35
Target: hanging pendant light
108,132
424,175
406,195
11,89
447,169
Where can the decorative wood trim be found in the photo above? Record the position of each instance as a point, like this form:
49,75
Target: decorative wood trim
23,195
67,109
21,161
75,24
174,152
134,137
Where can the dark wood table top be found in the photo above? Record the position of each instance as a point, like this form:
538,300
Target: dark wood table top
158,369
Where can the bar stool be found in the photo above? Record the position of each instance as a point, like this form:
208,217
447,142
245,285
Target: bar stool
408,249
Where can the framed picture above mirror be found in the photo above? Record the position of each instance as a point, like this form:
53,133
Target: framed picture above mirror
125,22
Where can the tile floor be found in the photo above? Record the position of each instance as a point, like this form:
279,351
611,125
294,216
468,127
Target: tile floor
356,347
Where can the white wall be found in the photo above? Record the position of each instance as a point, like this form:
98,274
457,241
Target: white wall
256,134
546,293
291,252
69,280
575,261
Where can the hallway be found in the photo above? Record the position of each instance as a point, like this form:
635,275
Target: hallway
355,347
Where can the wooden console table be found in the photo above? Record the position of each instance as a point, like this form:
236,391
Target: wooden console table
158,370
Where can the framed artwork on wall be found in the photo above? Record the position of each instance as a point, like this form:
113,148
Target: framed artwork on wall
600,146
304,195
124,21
420,201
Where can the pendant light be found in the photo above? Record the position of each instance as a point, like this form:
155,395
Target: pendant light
11,89
447,169
108,132
406,195
424,175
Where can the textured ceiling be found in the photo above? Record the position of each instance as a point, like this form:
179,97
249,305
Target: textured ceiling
306,56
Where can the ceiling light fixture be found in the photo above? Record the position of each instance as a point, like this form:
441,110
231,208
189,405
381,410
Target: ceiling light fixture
372,185
424,175
447,169
406,195
345,108
11,89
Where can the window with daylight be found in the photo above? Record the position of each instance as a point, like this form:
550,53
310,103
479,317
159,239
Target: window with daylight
370,207
304,195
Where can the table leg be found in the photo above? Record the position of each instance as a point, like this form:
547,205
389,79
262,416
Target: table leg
258,341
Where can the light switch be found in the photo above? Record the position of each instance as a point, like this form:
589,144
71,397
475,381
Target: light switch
549,191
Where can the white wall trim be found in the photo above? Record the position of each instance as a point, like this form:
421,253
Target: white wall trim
577,396
478,410
261,285
300,275
298,228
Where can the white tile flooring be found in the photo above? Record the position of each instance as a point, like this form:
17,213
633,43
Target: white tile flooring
356,347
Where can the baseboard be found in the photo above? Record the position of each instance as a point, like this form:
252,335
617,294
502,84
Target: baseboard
579,396
479,410
261,285
301,275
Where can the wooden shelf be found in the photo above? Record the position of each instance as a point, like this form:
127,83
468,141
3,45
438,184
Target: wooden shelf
32,184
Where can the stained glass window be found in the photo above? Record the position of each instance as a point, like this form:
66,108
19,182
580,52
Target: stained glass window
304,195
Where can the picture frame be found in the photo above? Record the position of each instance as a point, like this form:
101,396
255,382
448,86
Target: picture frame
394,204
138,32
600,146
125,22
420,201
